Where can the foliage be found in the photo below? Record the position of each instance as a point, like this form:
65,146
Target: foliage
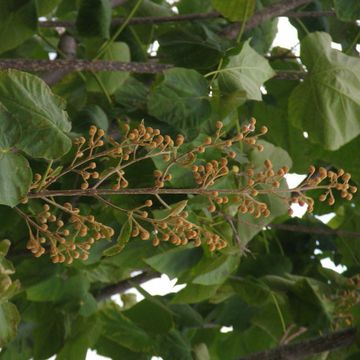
104,174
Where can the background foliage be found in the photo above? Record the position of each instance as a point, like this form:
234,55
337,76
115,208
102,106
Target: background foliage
274,293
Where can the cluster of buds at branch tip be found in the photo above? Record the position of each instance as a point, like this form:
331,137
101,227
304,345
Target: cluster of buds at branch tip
66,233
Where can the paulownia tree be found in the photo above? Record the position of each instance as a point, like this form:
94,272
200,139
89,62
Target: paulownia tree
157,140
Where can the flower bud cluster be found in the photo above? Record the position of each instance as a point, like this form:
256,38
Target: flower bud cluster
68,241
177,230
327,180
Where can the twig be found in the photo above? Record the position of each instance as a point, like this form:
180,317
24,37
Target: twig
124,285
178,18
103,65
306,348
267,13
314,230
82,65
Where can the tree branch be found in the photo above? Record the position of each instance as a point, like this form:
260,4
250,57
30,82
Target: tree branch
82,65
177,18
103,65
314,230
308,347
125,285
267,13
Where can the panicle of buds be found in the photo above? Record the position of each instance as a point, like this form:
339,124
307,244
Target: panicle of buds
63,232
67,235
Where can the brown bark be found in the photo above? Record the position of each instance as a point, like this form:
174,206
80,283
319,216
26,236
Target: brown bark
314,230
81,65
124,285
267,13
306,348
178,18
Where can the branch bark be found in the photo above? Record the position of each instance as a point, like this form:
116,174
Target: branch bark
314,230
267,13
178,18
69,65
124,285
306,348
82,65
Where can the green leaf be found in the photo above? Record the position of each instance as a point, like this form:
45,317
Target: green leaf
111,80
47,290
131,96
235,10
144,313
194,293
9,130
245,73
121,241
175,261
120,329
45,7
84,333
40,114
94,18
18,22
91,115
15,178
175,346
217,271
347,10
180,99
4,247
312,106
9,320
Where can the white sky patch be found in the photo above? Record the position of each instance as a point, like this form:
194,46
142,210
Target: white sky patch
287,36
158,286
329,264
326,217
336,46
294,180
226,329
153,48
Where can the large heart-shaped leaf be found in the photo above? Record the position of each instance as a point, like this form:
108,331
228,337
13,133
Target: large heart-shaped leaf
347,10
40,114
180,99
94,18
15,178
326,104
245,73
9,320
235,10
18,22
111,80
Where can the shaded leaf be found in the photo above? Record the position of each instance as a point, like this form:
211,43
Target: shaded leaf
235,10
111,80
94,18
121,241
325,103
15,178
40,114
347,10
245,73
180,98
9,320
18,22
